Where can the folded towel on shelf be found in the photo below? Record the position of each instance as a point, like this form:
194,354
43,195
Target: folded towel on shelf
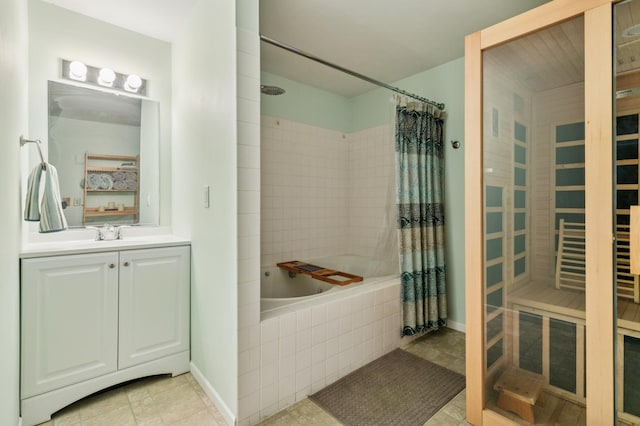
120,185
45,204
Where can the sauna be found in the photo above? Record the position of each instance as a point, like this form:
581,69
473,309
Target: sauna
552,231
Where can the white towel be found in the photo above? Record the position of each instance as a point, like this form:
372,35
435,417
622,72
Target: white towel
50,213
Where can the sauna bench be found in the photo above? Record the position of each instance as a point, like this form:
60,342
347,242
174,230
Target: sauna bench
568,304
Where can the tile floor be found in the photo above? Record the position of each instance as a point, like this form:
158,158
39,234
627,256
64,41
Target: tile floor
444,347
164,401
153,401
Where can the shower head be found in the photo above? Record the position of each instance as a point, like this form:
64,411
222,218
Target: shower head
271,90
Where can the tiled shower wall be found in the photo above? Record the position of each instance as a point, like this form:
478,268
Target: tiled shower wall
371,188
323,192
304,191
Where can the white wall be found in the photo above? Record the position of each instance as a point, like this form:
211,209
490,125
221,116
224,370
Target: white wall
204,154
97,43
13,123
248,174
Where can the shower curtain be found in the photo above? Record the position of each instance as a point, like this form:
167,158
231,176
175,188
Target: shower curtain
421,221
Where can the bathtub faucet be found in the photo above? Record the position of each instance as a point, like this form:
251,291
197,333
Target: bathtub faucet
292,274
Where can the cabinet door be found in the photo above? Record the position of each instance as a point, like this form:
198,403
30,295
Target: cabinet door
69,310
154,304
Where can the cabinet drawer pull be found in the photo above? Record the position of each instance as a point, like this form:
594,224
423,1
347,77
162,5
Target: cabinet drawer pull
112,265
126,263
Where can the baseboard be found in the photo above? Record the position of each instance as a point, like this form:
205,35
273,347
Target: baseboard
228,415
456,326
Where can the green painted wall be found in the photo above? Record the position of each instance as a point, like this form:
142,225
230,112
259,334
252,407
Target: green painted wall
444,83
306,104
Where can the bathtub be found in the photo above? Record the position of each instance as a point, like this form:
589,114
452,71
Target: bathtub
280,289
312,333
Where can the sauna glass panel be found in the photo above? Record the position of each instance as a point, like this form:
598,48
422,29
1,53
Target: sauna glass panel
627,174
494,327
530,342
494,274
519,199
519,244
520,154
519,176
570,177
570,132
519,266
494,222
627,125
570,154
494,196
623,219
520,132
494,248
625,199
494,353
631,375
570,199
569,217
494,300
562,354
519,221
539,163
627,150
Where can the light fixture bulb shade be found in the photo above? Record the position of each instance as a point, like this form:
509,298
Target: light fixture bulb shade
106,77
133,83
77,71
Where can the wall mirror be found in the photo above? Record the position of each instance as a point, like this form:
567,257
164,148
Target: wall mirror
105,147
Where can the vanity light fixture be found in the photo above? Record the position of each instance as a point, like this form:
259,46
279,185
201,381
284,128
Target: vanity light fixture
133,83
77,71
104,77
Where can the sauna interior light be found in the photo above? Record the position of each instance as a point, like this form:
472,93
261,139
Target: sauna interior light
77,71
106,77
133,83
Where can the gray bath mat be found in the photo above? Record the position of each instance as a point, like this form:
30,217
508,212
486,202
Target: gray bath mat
397,389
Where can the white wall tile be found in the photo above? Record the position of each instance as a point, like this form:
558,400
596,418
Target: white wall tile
249,383
303,359
319,334
268,397
288,324
269,330
303,318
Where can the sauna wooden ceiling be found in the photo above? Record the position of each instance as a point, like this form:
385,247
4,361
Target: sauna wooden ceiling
555,57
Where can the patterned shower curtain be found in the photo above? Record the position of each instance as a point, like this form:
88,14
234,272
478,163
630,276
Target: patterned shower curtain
420,202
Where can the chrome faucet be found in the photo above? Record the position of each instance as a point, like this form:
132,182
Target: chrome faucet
108,232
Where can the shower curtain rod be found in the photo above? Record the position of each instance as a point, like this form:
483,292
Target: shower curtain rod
347,71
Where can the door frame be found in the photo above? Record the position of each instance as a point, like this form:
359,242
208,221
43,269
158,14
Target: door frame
600,314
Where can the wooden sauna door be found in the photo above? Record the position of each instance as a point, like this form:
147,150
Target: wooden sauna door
539,154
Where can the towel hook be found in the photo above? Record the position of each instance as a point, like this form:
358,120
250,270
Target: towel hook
38,145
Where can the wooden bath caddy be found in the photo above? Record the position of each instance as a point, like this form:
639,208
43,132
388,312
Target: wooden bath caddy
319,273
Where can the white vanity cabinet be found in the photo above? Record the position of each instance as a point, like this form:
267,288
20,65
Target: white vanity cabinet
89,321
154,304
69,320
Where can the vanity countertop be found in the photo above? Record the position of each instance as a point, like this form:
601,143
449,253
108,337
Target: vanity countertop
65,247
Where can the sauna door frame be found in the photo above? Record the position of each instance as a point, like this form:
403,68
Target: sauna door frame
600,318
